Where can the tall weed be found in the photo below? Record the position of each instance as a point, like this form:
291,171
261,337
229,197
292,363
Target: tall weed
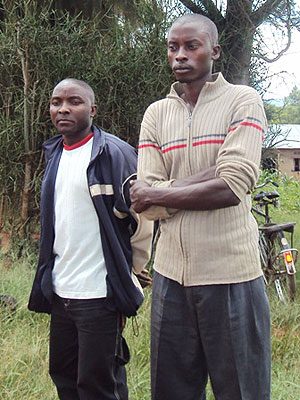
24,335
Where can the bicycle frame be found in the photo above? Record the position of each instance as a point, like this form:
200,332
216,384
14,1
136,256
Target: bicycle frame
289,260
277,257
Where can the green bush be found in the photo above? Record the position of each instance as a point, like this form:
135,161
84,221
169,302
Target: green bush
125,63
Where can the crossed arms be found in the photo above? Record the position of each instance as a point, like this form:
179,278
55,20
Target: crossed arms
202,191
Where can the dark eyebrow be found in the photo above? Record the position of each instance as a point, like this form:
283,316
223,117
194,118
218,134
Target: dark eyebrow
195,40
76,98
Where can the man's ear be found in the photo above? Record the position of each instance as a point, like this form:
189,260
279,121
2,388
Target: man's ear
216,52
93,110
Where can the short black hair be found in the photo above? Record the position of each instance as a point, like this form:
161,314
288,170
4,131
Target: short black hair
208,25
81,83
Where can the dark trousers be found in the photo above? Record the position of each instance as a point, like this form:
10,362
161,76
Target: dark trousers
85,351
220,331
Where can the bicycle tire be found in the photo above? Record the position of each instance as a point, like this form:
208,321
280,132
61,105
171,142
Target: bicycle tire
285,284
263,255
263,250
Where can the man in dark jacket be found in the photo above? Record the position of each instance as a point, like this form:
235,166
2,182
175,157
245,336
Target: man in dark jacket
91,244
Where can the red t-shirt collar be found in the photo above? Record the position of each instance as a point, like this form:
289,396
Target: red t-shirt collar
78,144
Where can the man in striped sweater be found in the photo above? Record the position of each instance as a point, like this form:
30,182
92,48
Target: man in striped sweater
199,156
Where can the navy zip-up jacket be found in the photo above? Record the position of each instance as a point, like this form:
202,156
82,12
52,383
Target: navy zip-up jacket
113,164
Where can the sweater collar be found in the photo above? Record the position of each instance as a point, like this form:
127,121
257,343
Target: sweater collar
209,92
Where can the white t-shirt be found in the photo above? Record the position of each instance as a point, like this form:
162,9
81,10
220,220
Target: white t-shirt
79,269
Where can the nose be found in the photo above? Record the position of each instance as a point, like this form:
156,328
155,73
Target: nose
63,109
181,54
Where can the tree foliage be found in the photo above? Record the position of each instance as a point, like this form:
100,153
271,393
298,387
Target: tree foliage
288,113
125,65
278,115
118,47
291,109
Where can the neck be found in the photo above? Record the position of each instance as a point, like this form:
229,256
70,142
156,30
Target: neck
192,89
70,138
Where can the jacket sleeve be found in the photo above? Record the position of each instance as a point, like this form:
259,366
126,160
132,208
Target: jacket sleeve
239,157
141,242
141,231
151,167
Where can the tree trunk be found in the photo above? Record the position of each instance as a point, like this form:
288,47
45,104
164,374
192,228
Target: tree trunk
25,201
237,41
1,209
24,57
236,31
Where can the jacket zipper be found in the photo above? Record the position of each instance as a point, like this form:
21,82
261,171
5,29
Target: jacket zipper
190,120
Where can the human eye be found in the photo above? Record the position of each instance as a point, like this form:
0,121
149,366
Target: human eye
54,102
76,101
193,46
171,47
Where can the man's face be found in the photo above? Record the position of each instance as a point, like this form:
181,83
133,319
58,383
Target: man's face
191,52
72,110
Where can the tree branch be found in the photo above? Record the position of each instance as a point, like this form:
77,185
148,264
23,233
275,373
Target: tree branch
208,9
260,15
270,60
192,7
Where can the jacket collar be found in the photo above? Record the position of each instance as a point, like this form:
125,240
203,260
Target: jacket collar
56,143
98,142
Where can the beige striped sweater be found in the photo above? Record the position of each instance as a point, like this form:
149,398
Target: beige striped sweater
225,129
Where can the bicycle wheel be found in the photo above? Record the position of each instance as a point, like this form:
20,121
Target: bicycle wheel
263,249
263,253
285,284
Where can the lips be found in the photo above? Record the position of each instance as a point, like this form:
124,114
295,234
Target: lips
64,121
181,68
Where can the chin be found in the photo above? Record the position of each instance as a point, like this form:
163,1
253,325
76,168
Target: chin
185,80
63,132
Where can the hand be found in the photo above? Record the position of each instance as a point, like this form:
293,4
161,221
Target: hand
144,278
138,195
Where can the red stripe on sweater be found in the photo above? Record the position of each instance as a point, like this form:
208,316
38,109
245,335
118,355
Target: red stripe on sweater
174,148
253,125
148,145
247,124
207,142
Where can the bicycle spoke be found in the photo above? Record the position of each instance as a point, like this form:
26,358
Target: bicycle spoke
279,291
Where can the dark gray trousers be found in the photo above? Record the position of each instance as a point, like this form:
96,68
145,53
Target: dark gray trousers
86,351
220,331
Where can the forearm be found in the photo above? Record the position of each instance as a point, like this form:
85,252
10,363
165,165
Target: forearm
208,195
203,176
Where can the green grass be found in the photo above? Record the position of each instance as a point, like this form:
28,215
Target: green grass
24,346
24,335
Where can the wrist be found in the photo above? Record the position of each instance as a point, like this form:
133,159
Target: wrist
148,196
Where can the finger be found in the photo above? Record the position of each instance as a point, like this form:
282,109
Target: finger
145,271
